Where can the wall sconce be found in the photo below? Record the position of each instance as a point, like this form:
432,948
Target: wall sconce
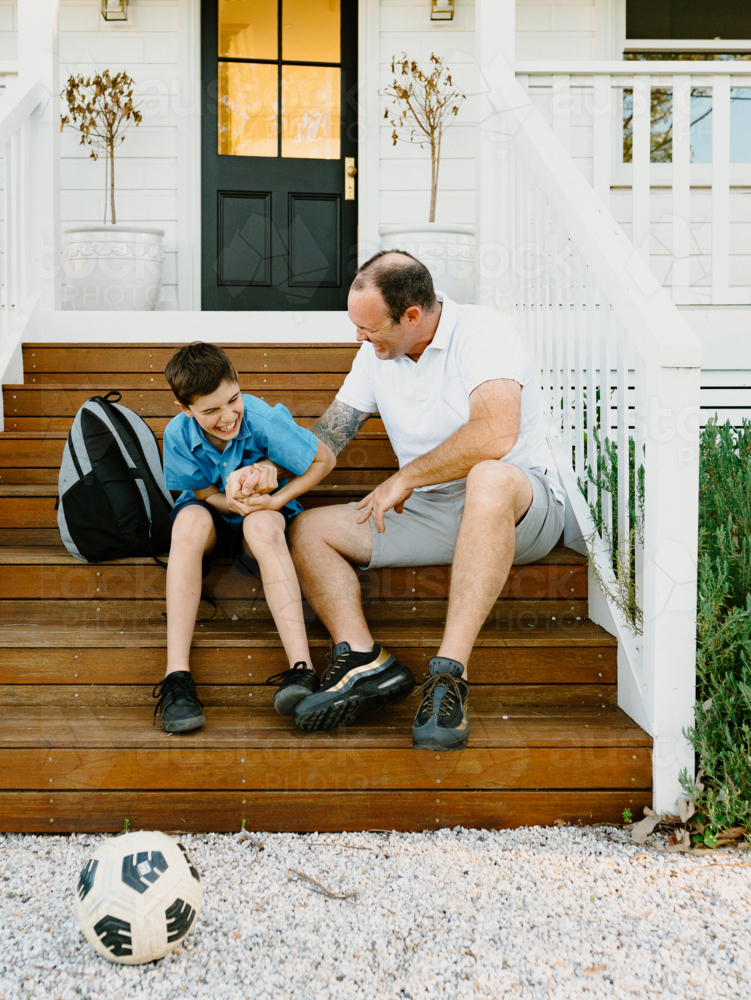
440,10
115,10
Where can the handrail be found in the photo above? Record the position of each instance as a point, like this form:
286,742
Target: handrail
619,371
16,105
635,67
657,327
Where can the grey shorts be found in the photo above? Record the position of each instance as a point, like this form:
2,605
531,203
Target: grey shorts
425,533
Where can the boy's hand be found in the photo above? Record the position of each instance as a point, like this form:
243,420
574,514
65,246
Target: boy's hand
252,480
259,501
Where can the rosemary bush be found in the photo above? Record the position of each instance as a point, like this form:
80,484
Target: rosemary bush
722,734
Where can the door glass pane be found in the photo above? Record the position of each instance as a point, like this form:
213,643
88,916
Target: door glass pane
247,105
248,29
311,30
310,112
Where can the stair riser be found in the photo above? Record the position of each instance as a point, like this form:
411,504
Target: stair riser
582,666
154,357
326,769
118,614
148,582
262,697
47,452
195,812
66,400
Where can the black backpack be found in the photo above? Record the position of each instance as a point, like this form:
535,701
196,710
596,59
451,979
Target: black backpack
112,502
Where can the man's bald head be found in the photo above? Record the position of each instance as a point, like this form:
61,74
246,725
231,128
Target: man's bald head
401,279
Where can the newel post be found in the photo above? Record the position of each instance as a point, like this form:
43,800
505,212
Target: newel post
39,58
494,37
671,459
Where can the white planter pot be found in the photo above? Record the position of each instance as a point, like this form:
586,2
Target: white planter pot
112,267
448,252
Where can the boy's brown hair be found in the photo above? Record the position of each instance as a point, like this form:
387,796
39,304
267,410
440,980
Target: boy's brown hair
197,370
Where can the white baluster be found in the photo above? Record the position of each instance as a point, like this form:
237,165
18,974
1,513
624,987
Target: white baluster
681,236
602,112
605,417
622,440
562,108
720,188
640,155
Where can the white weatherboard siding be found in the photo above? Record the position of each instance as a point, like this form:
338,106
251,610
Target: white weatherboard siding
555,29
146,47
405,168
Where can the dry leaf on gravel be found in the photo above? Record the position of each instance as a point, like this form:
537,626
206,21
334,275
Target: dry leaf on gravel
595,968
641,830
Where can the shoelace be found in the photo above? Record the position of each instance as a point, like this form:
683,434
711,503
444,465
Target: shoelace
182,684
278,679
453,692
338,667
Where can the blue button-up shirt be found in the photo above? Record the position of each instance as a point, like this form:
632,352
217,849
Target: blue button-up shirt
191,462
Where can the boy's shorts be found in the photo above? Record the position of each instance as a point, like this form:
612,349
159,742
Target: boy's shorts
229,539
425,533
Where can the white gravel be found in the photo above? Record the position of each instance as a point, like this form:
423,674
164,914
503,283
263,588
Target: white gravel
530,913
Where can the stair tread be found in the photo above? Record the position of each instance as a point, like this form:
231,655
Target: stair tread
57,555
45,633
85,727
50,490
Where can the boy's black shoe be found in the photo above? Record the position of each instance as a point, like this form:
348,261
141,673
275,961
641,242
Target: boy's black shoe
441,722
354,683
294,685
178,703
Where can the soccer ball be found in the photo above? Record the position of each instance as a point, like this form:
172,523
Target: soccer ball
137,897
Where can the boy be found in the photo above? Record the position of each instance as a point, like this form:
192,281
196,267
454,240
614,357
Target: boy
217,431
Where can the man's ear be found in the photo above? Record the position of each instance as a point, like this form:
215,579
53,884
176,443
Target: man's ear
184,409
413,314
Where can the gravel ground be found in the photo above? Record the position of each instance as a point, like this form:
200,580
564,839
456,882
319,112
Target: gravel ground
529,913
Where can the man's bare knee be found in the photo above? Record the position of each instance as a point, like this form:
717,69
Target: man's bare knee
499,485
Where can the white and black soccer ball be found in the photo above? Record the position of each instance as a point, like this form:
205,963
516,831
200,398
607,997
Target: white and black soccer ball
137,897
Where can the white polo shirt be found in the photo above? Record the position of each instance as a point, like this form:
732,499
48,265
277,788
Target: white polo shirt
423,402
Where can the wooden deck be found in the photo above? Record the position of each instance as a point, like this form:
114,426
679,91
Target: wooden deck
81,647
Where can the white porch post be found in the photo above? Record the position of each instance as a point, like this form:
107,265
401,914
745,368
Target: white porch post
671,462
495,22
39,58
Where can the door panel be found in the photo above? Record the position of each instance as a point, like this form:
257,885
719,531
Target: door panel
279,117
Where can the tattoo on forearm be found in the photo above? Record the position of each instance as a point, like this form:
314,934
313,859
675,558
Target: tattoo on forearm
338,425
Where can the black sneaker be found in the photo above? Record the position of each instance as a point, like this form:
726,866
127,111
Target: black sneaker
441,722
294,685
178,703
354,683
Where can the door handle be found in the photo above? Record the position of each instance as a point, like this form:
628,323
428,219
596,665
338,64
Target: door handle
349,178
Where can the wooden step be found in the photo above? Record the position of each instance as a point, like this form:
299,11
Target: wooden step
325,811
148,399
250,755
49,573
115,358
54,663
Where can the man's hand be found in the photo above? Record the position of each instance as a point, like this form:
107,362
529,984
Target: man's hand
268,481
389,494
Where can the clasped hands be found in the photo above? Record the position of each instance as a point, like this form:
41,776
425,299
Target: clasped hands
248,489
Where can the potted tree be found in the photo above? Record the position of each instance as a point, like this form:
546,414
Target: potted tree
423,104
109,265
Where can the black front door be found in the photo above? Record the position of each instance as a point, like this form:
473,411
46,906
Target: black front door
279,129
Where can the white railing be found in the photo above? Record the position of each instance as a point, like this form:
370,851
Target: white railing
20,238
687,218
597,319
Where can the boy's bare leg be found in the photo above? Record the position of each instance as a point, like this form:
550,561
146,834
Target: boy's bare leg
322,541
263,532
193,536
498,497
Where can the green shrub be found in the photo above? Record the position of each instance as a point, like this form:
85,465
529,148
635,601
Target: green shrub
722,733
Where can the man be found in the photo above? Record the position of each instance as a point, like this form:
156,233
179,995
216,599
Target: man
477,488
